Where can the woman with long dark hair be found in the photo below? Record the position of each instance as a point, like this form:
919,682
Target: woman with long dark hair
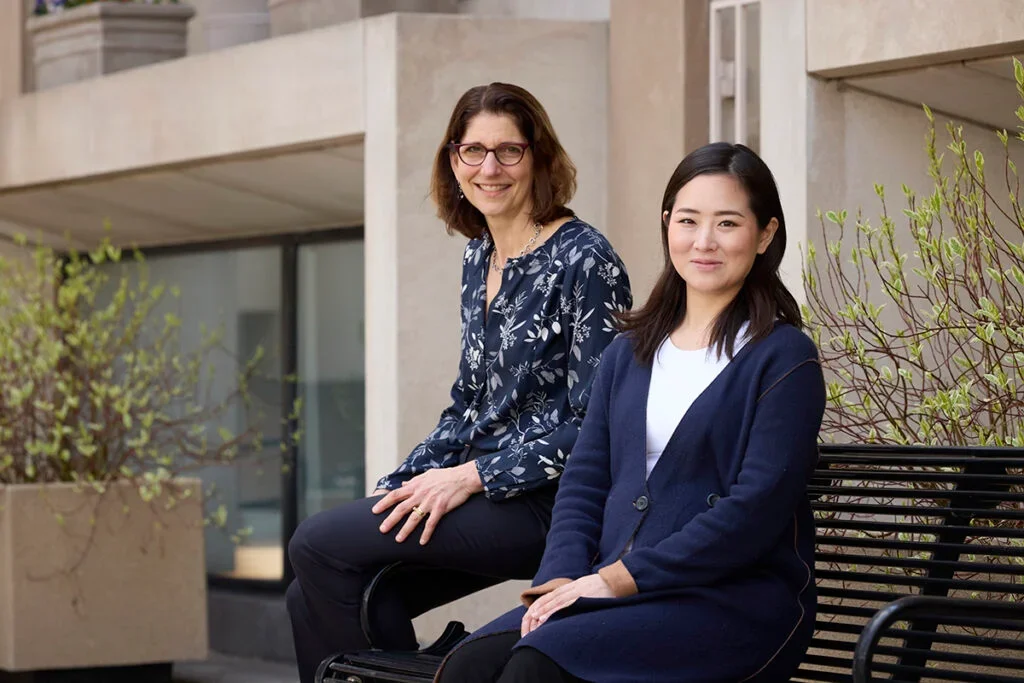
682,540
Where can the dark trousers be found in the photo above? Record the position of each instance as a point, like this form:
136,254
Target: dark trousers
335,553
490,659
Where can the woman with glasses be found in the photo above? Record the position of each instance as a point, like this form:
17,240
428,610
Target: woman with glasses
682,541
471,504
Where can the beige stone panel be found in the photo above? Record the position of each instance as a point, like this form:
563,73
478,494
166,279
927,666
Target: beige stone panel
209,210
578,10
870,36
12,21
44,214
657,113
827,183
129,589
981,91
254,195
290,92
884,142
9,251
473,610
784,129
381,235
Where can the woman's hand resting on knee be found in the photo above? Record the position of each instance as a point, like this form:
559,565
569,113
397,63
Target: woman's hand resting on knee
427,498
592,586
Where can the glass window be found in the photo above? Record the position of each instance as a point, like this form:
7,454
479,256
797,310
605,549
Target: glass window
239,293
331,375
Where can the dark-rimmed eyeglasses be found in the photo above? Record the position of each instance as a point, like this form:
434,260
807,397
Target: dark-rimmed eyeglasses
474,153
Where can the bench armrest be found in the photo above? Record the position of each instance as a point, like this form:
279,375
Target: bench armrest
422,588
930,609
366,603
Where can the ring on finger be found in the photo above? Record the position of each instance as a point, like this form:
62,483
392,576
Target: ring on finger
418,511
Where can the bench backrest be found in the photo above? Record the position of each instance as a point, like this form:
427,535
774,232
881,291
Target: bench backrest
918,521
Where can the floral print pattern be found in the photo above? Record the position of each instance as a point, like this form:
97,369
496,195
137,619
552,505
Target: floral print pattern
528,363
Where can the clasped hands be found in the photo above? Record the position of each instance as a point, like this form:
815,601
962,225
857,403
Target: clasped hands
427,498
592,586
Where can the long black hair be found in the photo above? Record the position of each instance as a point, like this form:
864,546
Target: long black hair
761,301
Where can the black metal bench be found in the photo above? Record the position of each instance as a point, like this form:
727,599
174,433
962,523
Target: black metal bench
920,567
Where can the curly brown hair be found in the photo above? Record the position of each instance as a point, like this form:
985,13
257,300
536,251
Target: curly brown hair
554,174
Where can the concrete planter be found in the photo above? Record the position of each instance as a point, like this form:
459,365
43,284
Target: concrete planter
226,23
104,37
293,16
113,583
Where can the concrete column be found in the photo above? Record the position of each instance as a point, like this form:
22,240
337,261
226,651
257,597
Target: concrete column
657,112
784,124
12,49
383,450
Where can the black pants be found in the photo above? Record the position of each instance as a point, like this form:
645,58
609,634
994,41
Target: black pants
335,553
490,659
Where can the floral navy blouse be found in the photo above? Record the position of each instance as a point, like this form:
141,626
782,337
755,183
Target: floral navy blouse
528,364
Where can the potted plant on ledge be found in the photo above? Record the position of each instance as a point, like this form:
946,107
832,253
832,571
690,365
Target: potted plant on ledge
105,421
74,40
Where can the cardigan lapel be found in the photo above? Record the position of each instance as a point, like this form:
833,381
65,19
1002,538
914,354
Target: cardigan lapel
633,418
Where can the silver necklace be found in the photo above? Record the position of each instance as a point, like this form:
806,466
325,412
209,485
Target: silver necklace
494,254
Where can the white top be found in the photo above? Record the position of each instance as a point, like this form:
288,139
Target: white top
677,378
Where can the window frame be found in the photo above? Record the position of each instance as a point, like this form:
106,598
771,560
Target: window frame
725,79
290,244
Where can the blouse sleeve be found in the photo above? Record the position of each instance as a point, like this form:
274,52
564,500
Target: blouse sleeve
596,288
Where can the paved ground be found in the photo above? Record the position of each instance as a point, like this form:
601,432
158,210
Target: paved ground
223,669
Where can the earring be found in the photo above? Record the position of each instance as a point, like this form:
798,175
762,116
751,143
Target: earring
461,196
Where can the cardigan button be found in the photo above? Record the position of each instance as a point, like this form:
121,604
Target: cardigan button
641,503
712,499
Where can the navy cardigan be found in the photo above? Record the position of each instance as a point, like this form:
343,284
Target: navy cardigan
718,583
